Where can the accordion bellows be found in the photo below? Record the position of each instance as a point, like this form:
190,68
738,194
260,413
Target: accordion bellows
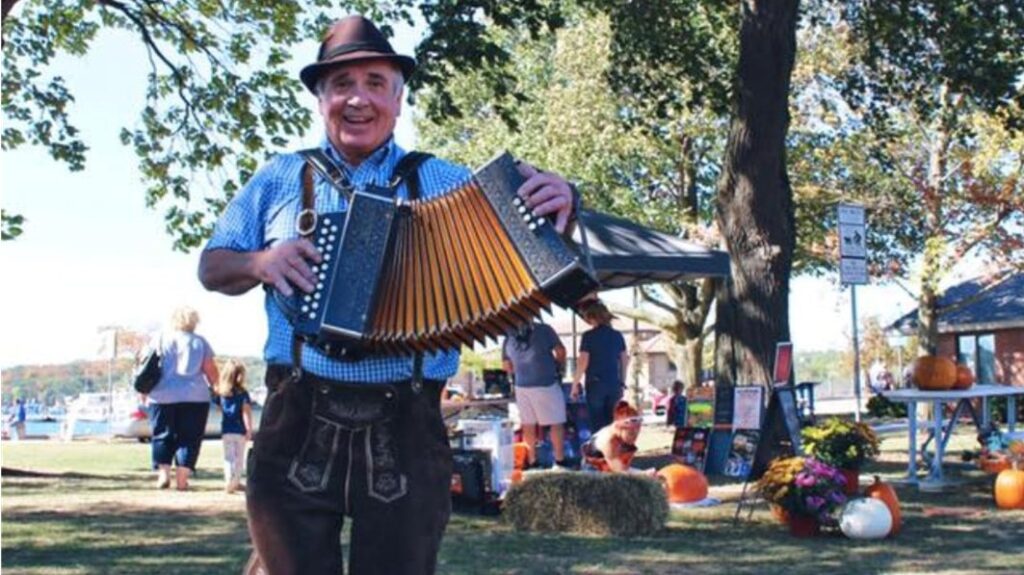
428,275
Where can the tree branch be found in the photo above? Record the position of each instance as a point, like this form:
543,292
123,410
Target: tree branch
7,6
150,43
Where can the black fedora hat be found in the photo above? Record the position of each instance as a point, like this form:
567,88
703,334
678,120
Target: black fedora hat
353,39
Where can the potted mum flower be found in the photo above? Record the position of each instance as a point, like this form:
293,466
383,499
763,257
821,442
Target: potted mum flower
804,492
847,445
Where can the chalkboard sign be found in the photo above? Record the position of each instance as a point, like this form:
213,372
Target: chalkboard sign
724,405
780,434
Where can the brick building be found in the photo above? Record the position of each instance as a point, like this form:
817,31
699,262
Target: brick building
986,332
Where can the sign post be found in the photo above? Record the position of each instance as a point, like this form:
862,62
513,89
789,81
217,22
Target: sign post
853,270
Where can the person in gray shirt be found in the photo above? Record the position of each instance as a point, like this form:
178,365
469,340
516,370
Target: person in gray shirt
535,358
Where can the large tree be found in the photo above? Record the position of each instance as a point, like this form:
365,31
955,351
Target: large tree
220,95
927,135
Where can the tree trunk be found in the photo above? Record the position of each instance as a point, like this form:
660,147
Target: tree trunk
933,265
687,357
6,7
755,201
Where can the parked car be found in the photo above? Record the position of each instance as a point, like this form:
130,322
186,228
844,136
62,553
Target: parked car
133,421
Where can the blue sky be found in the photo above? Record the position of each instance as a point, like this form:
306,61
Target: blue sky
92,254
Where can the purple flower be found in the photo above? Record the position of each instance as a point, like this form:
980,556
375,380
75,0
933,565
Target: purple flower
804,479
837,497
814,502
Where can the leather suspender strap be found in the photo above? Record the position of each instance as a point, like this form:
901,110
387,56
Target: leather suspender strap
408,170
305,224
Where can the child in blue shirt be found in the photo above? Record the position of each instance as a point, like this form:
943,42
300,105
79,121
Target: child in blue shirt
677,406
236,421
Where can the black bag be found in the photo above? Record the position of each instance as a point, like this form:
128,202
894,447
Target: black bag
147,372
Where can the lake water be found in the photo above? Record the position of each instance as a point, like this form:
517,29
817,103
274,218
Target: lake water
52,428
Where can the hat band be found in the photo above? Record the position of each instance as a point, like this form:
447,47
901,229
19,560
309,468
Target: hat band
357,47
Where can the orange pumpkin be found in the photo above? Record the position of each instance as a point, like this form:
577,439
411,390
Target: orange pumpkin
683,484
990,463
964,377
934,373
1009,489
887,495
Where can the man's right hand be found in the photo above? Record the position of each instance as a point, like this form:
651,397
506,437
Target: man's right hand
287,264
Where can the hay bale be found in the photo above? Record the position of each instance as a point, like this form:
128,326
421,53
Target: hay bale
587,503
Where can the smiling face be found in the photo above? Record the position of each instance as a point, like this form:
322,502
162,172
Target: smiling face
360,103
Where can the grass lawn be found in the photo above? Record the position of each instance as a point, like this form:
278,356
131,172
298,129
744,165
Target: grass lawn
89,507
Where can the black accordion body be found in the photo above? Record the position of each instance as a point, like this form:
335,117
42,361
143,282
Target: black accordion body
426,275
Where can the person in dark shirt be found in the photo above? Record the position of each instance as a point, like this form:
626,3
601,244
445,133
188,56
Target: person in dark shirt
236,421
603,361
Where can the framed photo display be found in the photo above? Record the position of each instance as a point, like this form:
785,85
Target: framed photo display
690,446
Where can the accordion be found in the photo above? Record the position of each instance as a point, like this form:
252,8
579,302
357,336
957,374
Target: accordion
401,277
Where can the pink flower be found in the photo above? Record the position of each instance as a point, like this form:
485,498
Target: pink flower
804,479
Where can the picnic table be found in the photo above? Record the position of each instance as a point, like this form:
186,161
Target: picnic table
941,430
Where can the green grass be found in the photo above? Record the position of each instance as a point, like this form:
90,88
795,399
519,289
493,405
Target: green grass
92,510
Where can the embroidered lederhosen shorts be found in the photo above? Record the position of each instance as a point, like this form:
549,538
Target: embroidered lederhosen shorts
376,453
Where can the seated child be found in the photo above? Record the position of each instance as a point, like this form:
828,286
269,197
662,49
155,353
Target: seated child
613,447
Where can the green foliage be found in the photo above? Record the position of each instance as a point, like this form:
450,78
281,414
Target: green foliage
841,443
920,120
879,406
11,226
587,503
220,93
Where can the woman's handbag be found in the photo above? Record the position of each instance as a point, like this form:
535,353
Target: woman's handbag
147,372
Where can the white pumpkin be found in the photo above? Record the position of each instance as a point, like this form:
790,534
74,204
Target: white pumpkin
865,518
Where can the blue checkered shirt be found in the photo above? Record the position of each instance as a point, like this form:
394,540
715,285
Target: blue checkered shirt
264,213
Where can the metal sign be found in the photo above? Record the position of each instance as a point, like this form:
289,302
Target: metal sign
853,251
853,271
852,231
850,214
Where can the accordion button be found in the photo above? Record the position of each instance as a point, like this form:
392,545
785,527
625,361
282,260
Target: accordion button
312,315
315,268
322,276
327,221
334,229
516,201
327,257
533,226
307,297
319,286
331,238
541,221
315,305
305,309
522,209
322,241
316,295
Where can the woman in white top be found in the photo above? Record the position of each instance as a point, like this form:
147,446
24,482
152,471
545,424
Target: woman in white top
180,403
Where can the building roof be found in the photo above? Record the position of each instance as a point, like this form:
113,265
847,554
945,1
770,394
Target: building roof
626,254
1000,307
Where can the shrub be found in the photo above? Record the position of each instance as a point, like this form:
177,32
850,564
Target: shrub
841,443
879,406
587,503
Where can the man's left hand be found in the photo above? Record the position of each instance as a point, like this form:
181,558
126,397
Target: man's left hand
546,193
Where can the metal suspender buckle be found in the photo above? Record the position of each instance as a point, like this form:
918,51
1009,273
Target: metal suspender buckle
305,222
